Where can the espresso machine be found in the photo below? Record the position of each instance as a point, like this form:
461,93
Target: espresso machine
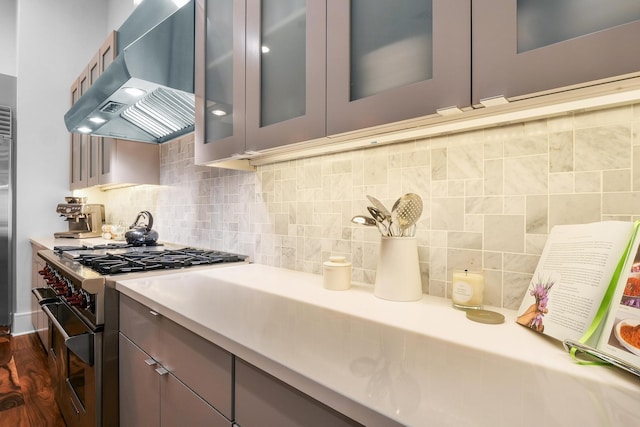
84,220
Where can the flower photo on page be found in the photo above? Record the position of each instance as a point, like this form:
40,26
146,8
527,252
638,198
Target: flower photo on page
534,314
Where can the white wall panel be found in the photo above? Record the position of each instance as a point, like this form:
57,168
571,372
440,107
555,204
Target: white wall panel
55,41
8,37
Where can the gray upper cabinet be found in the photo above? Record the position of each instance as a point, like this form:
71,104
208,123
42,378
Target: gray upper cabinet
78,149
98,161
274,73
260,75
314,69
285,79
219,79
391,61
530,46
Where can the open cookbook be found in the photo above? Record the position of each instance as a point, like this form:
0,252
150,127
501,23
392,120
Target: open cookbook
585,291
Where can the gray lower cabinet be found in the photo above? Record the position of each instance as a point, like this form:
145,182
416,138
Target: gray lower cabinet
151,396
170,376
263,400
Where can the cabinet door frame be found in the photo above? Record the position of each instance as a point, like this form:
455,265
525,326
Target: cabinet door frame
74,92
107,52
450,85
94,160
94,66
206,152
79,160
310,126
499,70
139,384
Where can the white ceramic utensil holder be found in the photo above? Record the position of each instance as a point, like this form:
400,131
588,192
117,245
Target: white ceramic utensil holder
398,273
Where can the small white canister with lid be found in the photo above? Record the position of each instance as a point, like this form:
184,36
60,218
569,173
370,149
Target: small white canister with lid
337,273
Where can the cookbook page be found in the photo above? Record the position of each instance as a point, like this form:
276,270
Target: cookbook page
572,276
621,336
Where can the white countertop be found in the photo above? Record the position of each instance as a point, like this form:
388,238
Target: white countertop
50,242
419,362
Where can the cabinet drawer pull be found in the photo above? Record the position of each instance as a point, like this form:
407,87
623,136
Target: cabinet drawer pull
161,371
150,362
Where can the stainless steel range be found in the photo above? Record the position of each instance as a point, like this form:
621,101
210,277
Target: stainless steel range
81,304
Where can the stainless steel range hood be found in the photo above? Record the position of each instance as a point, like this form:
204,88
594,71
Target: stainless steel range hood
146,94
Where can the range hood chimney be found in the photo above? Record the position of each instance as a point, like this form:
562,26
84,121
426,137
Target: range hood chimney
146,94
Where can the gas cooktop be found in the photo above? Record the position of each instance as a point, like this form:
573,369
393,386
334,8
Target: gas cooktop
148,260
120,258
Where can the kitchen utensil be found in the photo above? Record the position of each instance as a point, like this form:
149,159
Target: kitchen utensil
406,211
380,206
142,234
380,220
364,220
410,231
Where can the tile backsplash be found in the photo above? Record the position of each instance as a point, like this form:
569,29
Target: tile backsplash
490,196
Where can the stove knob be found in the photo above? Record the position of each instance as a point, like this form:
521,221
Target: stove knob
79,298
47,273
75,300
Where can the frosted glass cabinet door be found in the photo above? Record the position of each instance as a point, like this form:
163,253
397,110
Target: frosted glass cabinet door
219,79
395,60
286,48
528,46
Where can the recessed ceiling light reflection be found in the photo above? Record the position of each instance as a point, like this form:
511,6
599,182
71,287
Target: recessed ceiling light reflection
265,49
97,120
180,3
218,112
84,129
134,91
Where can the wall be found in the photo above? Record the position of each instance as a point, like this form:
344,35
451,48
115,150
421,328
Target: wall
491,196
119,11
8,11
55,41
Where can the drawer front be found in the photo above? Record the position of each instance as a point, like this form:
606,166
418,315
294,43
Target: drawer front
262,400
141,326
201,365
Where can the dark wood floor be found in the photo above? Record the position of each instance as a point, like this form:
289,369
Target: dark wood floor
26,396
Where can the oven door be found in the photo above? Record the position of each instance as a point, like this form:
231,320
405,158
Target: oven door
39,319
72,352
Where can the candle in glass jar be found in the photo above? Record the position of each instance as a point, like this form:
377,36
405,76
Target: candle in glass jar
467,289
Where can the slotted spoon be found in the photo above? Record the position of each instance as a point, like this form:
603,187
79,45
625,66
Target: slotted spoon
406,211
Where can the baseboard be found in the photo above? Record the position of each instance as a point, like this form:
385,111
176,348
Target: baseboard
22,324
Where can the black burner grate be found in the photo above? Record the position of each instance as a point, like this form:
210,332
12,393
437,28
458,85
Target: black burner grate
149,260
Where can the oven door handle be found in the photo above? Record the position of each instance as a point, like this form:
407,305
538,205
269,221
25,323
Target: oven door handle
81,345
40,296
